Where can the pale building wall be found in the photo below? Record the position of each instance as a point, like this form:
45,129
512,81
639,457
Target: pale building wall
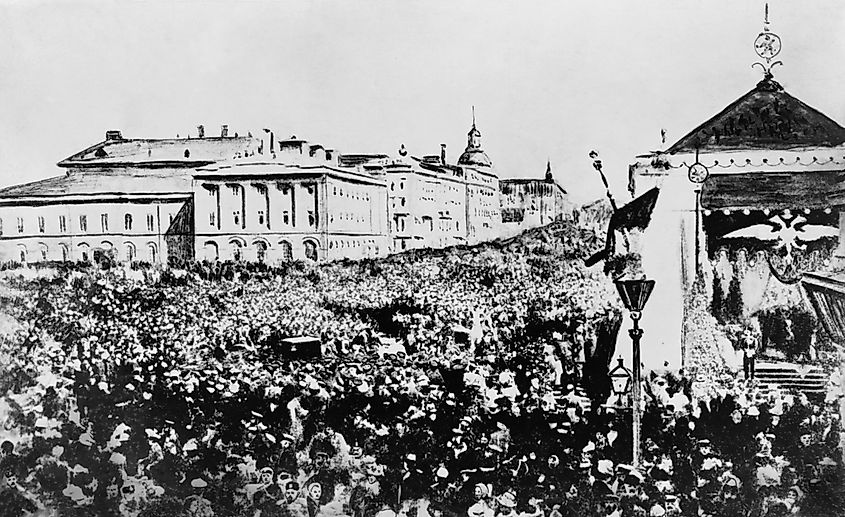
275,217
483,205
149,223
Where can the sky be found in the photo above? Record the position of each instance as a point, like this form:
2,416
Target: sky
549,80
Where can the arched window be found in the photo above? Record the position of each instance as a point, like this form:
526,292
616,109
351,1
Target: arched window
212,252
129,251
44,251
83,252
260,251
152,252
287,251
237,250
311,250
22,253
65,252
127,222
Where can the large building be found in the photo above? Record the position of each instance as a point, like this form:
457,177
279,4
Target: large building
532,202
128,198
298,203
254,198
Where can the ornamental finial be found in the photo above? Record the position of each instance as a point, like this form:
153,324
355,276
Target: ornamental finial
767,45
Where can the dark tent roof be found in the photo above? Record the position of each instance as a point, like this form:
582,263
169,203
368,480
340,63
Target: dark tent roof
766,117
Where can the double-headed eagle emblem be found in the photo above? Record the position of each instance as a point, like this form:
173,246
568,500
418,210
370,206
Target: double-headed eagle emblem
790,236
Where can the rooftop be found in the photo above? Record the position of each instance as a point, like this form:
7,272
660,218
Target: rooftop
101,184
187,152
764,118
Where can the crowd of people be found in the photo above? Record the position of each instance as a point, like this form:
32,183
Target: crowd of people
447,385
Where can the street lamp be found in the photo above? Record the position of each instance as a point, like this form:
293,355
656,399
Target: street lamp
620,382
634,294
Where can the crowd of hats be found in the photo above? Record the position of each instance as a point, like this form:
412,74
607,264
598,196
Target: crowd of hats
447,378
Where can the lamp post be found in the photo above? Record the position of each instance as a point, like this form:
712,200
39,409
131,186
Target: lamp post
620,382
634,294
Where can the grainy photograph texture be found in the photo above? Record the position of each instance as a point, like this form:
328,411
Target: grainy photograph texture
422,259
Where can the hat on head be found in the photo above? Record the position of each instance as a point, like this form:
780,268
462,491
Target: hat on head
291,485
486,490
508,499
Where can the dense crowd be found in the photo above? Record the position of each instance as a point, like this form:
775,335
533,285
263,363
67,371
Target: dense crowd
447,385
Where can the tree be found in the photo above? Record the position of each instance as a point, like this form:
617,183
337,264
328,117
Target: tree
733,307
717,306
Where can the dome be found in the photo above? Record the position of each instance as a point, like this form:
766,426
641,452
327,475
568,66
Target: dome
475,157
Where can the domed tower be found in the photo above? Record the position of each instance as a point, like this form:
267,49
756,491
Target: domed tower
473,155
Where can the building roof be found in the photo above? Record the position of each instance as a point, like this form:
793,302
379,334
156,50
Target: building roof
101,185
183,152
525,181
765,117
475,157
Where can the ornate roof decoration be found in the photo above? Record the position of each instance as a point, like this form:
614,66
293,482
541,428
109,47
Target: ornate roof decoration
766,117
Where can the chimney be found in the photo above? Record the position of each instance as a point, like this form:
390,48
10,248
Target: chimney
200,131
113,135
224,131
443,154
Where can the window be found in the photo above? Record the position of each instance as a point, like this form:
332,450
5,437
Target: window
22,253
20,224
130,252
151,220
64,252
170,219
40,224
260,251
334,191
236,251
235,190
152,252
62,224
104,222
312,219
261,217
286,217
236,216
402,201
212,218
44,252
392,186
127,222
287,251
83,223
401,185
1,226
311,250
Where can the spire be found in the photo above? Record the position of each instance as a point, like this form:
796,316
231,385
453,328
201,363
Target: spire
549,177
473,115
767,45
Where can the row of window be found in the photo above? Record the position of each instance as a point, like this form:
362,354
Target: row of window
83,223
350,194
84,252
262,218
212,251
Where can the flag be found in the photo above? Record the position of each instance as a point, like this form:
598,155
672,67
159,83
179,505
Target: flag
636,214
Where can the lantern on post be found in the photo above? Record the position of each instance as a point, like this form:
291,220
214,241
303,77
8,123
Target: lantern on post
635,294
620,382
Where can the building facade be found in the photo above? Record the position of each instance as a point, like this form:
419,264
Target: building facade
252,198
119,198
531,202
299,205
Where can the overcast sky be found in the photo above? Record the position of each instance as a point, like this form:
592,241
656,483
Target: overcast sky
548,79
